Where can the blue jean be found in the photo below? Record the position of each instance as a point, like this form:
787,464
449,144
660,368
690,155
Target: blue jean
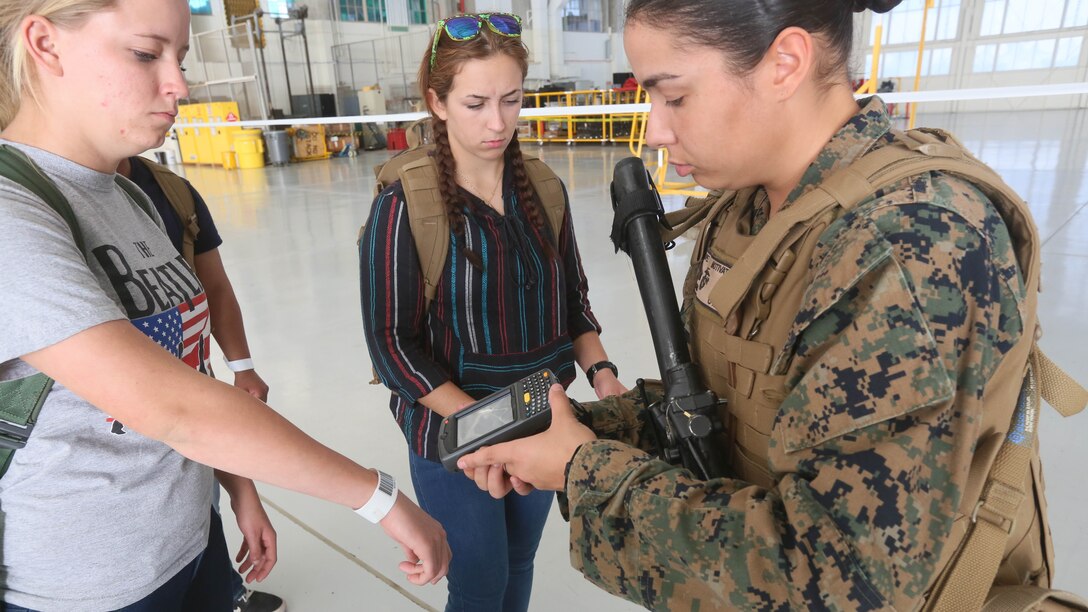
203,584
237,586
493,541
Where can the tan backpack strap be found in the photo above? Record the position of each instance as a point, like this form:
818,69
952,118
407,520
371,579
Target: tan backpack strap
967,579
388,172
1059,389
549,189
428,221
1020,598
181,200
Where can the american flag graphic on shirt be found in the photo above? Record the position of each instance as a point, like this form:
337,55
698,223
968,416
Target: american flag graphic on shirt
184,331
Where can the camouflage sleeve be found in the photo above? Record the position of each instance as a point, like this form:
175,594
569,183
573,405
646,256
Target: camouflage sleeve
910,310
622,417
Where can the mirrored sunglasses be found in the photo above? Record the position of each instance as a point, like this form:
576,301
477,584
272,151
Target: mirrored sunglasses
467,27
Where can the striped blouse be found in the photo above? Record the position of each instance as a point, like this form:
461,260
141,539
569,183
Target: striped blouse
486,327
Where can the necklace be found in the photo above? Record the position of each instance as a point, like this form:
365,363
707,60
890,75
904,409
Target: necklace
472,187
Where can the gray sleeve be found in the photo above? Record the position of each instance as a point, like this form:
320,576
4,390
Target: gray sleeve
48,291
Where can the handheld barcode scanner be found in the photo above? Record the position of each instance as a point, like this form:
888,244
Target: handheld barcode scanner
518,411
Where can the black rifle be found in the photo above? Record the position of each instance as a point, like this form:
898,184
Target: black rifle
688,414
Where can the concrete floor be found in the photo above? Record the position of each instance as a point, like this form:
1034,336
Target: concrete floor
290,251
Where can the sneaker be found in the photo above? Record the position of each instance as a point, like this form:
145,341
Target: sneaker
256,601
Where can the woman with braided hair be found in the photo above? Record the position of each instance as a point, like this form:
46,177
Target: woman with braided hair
513,300
862,298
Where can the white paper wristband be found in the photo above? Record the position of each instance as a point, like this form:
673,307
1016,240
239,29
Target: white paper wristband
381,502
239,365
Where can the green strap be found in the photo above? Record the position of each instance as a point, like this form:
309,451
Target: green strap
21,400
15,165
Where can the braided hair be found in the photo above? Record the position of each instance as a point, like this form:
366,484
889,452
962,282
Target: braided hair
526,197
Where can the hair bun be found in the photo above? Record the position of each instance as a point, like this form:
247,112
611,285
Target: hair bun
877,6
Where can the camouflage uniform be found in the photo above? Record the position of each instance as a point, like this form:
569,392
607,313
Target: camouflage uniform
913,298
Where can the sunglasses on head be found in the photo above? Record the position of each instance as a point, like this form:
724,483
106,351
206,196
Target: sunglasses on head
467,27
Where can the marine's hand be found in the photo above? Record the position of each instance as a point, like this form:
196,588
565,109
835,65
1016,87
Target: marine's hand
497,481
605,384
423,540
539,461
250,382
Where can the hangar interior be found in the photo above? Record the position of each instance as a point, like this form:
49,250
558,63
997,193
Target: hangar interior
290,230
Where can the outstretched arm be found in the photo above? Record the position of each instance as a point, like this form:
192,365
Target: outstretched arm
122,372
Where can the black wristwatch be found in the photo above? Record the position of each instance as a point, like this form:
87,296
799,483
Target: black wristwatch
597,367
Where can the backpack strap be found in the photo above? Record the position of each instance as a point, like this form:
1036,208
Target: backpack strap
1059,389
431,227
549,189
1026,597
428,221
182,201
21,399
16,166
969,575
966,584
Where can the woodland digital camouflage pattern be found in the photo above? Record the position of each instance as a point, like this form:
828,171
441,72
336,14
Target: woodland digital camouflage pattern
914,299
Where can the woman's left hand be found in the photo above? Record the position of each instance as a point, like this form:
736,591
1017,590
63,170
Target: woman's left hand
605,384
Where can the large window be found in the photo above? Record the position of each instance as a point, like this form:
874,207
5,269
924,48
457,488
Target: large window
200,7
904,24
935,62
364,10
418,10
279,8
1040,54
1076,14
583,16
1015,16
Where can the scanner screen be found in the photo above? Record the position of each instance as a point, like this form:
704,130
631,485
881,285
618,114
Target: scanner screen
485,419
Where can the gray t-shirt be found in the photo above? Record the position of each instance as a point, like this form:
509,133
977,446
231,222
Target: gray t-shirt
93,516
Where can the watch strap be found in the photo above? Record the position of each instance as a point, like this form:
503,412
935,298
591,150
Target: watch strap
591,373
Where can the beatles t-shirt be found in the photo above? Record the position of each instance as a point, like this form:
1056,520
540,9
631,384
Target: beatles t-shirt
93,516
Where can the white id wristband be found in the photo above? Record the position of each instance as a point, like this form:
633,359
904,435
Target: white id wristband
381,502
239,365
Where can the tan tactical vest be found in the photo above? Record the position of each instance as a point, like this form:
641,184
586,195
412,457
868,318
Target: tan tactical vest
737,343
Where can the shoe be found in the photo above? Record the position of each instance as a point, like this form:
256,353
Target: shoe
256,601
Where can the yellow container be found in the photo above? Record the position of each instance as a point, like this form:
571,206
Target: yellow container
249,147
220,137
187,136
205,153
